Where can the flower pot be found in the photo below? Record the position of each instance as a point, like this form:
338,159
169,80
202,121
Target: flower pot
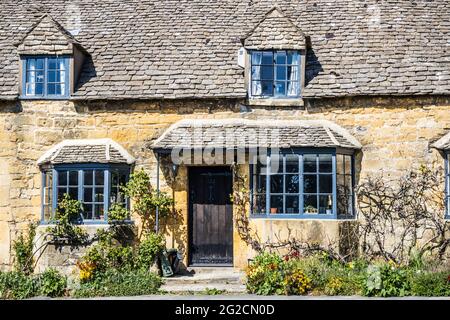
273,210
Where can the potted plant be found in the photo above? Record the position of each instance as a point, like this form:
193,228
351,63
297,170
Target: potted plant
273,210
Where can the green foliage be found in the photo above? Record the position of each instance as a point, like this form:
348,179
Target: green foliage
23,249
265,275
213,291
117,213
146,200
67,214
386,280
120,283
148,250
52,283
430,284
17,285
296,282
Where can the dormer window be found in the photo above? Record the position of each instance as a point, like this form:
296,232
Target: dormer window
45,77
275,73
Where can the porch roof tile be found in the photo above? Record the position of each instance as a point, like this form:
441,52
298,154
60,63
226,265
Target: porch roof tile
86,151
238,133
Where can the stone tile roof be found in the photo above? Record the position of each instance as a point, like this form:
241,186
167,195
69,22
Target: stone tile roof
239,133
47,36
86,151
188,48
443,143
275,31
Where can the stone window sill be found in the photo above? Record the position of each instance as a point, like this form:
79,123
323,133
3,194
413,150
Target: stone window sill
273,102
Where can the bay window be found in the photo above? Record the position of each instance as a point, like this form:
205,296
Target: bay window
96,187
303,184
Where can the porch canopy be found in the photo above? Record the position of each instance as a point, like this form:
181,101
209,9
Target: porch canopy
244,133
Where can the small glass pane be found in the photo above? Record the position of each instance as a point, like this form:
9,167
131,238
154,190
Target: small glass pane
256,88
98,212
310,204
88,180
62,178
310,183
326,204
280,57
292,183
256,57
260,181
87,211
87,194
259,204
51,89
73,178
325,163
98,195
61,193
281,73
276,204
256,73
292,205
340,164
348,164
276,183
280,88
52,63
39,89
267,57
99,177
267,88
266,73
309,163
325,183
292,73
293,57
52,76
293,89
73,193
348,183
292,164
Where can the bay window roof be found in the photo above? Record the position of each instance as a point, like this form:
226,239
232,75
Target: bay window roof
238,133
86,151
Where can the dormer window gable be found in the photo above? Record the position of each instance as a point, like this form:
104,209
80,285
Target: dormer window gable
275,51
50,61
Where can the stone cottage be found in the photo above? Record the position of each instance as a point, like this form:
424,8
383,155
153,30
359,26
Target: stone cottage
305,96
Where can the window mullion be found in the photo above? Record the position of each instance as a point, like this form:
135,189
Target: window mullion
300,172
44,91
283,157
268,164
333,169
80,187
55,192
106,194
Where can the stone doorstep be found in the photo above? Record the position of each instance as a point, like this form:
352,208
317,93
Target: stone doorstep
199,279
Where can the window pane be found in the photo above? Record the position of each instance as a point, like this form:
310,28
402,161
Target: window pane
280,57
267,88
281,73
292,183
61,193
293,57
98,195
99,177
292,163
52,76
326,204
88,180
256,73
293,89
310,183
259,204
276,204
276,183
292,73
73,193
280,88
325,183
267,57
53,63
260,181
256,57
266,73
292,205
325,163
98,212
310,204
256,88
87,210
309,163
73,178
62,178
87,194
340,164
51,89
39,89
348,164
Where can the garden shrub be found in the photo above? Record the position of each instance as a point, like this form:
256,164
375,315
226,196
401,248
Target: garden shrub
296,282
120,283
430,284
17,285
386,280
52,283
265,275
23,248
148,250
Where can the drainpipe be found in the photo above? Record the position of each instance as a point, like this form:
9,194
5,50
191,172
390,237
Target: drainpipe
157,192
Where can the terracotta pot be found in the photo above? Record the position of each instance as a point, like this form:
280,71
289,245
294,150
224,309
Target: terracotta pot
273,210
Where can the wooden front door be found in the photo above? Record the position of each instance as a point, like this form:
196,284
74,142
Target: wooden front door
210,216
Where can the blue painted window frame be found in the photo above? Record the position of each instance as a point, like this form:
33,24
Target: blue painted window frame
80,168
274,76
302,215
447,185
44,94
